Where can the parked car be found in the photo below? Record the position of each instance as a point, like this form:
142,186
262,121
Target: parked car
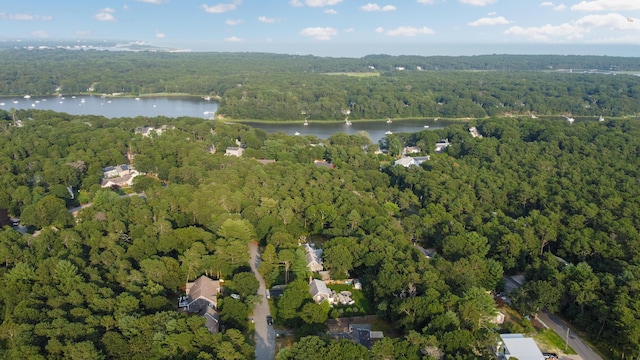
550,355
269,320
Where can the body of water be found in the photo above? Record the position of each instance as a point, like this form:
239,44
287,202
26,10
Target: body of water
375,129
197,107
116,107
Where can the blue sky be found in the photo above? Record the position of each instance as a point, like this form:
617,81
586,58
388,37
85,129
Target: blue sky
332,27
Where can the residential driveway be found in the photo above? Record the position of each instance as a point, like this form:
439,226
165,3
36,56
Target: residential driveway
560,327
265,335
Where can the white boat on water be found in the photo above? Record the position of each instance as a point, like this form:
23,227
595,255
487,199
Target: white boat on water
306,123
347,122
389,121
388,132
296,133
137,99
426,126
27,96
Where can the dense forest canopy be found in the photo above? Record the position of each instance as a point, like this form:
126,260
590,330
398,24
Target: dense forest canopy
263,86
104,284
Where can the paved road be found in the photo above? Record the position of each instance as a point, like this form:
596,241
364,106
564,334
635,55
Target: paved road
265,335
560,327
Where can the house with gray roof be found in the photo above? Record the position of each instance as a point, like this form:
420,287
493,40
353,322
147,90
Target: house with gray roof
314,258
202,298
320,292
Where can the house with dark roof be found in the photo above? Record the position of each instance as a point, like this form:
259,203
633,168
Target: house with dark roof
202,298
363,335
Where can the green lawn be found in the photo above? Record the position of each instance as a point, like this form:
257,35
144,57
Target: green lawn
361,306
551,342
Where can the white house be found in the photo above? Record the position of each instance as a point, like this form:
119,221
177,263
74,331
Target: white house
474,132
442,145
320,292
412,150
234,151
408,161
120,175
519,347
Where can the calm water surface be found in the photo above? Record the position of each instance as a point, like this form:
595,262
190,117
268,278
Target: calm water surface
116,107
197,107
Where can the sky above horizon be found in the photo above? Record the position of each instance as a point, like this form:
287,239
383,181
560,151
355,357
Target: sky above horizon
330,27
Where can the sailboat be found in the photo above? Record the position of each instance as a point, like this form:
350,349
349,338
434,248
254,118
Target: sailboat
346,121
389,121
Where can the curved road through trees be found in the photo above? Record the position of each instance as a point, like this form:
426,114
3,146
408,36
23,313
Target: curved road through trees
265,335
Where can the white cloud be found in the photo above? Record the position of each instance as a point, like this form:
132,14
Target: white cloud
379,29
349,30
548,32
157,2
330,11
488,21
577,29
267,20
40,34
477,2
493,13
376,7
160,35
222,7
233,22
407,31
610,21
558,7
233,39
319,33
314,3
607,5
426,1
105,14
83,33
24,17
